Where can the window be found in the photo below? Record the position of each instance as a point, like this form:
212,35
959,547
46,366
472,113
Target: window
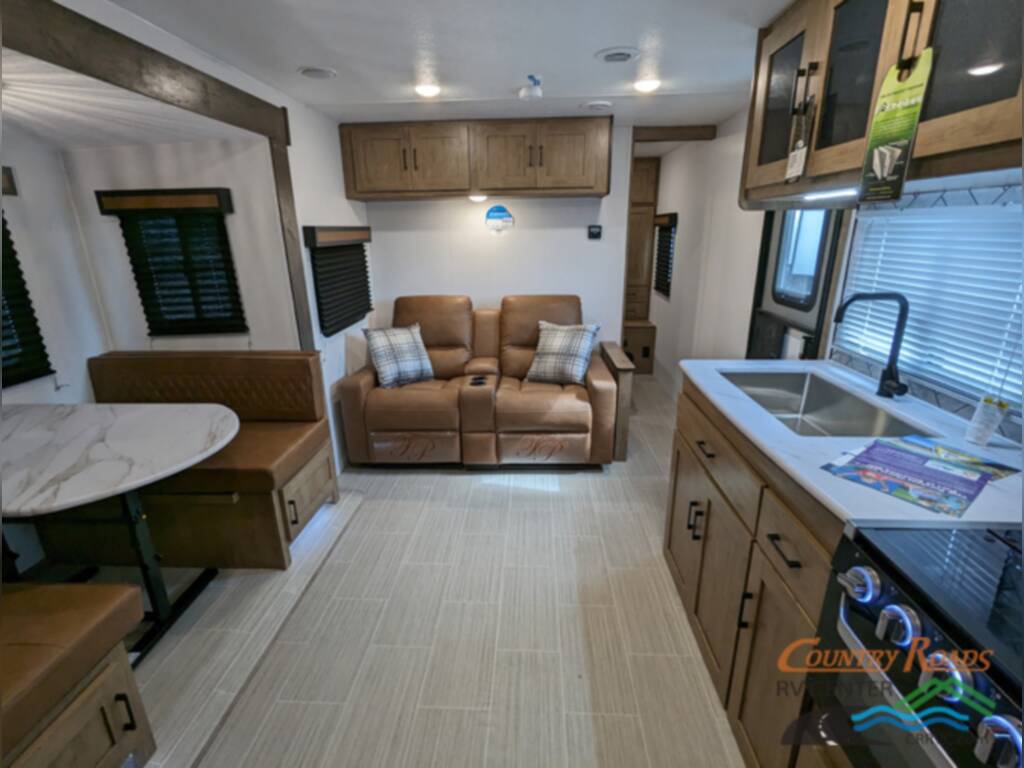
341,277
24,353
665,228
179,252
801,247
959,264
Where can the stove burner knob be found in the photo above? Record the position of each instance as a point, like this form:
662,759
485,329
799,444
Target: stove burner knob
998,742
898,623
861,584
948,670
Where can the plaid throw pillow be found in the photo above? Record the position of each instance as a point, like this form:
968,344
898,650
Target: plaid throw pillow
398,355
563,353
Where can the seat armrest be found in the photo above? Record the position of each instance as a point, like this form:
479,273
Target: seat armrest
616,358
350,395
622,369
481,366
602,390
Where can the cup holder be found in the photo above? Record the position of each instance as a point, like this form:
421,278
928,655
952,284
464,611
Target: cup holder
477,381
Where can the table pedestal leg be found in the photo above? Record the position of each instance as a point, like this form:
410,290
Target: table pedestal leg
149,565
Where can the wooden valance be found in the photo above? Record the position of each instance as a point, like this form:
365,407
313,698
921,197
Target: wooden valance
10,189
207,200
326,237
665,220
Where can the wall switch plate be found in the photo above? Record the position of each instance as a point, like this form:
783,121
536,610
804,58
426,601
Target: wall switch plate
594,232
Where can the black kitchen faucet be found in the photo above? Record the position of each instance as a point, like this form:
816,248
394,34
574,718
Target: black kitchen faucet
889,382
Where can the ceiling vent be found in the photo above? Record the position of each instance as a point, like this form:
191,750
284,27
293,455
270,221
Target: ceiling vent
598,106
318,73
620,54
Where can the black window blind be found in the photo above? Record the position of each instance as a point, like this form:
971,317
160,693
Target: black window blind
184,272
665,226
342,282
24,353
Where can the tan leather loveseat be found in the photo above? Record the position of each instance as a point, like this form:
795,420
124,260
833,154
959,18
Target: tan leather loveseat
505,419
242,506
68,692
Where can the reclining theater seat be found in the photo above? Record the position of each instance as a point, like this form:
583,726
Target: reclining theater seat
503,419
68,691
550,423
240,507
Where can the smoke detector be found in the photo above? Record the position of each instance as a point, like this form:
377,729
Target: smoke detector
597,106
318,73
619,54
532,89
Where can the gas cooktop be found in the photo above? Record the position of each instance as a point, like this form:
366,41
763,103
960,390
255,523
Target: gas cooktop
971,576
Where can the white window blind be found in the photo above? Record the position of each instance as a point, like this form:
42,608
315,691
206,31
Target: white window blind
960,267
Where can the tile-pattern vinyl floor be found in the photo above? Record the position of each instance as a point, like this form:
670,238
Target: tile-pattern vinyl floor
509,618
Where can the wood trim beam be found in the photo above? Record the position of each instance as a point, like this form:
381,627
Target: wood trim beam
325,237
675,132
49,31
125,200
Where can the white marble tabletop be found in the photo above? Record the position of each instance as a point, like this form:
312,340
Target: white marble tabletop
53,457
803,457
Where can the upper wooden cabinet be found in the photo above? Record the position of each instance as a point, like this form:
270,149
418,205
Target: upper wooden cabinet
557,156
839,51
643,183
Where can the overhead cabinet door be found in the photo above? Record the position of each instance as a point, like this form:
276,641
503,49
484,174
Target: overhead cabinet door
504,155
640,246
440,156
571,154
381,158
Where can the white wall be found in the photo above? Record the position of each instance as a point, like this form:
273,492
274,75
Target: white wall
49,246
717,250
254,231
442,246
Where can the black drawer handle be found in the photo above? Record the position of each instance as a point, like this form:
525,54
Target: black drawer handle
689,515
295,512
697,514
774,539
743,601
702,446
123,698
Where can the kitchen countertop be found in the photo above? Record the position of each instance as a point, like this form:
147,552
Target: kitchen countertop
802,457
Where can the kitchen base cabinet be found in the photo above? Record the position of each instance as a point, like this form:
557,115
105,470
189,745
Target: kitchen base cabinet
763,701
687,496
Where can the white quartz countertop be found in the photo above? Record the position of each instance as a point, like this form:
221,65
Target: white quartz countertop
802,457
53,457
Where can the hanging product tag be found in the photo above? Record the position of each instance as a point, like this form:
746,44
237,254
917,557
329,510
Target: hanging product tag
800,140
893,129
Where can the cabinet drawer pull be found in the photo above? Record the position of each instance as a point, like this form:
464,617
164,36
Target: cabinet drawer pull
697,514
293,507
743,601
702,446
123,699
913,9
415,159
774,539
689,515
405,159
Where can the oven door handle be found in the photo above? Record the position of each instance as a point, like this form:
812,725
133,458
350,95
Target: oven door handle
927,741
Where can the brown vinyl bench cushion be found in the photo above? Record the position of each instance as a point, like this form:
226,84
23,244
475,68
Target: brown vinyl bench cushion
52,636
263,457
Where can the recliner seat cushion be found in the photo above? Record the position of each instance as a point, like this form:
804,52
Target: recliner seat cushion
423,406
263,457
528,406
51,637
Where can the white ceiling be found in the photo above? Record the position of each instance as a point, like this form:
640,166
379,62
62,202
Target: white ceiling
481,52
71,110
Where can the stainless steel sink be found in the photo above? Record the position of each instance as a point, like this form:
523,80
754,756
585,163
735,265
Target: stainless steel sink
815,407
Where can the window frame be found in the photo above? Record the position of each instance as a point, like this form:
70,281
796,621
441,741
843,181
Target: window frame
788,300
326,244
32,333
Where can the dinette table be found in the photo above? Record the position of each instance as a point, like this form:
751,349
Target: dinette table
54,458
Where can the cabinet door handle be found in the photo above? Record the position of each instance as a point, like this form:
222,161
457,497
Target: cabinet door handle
405,159
800,99
774,539
293,507
689,515
697,515
702,446
541,152
123,699
415,159
743,602
913,9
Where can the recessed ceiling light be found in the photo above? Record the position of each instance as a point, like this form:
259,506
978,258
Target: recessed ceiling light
619,54
477,198
318,73
597,106
428,90
647,86
985,69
